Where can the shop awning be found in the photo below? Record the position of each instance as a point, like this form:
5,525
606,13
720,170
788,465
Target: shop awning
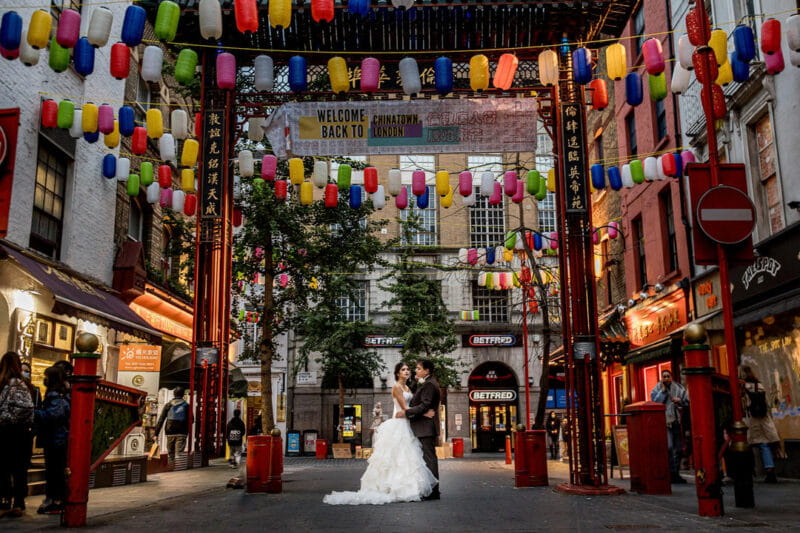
656,350
81,299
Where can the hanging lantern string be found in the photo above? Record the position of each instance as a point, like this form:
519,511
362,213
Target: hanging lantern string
47,6
85,99
629,158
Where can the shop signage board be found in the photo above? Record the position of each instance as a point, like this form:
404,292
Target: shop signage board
492,340
573,138
777,265
307,378
382,341
726,215
213,169
653,320
139,358
479,395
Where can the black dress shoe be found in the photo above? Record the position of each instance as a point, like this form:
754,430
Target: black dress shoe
434,496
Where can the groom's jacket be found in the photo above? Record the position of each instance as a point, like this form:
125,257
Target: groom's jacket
426,397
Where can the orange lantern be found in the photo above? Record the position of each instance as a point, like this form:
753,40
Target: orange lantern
322,10
246,14
599,94
506,70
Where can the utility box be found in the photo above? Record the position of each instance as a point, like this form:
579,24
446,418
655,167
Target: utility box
647,448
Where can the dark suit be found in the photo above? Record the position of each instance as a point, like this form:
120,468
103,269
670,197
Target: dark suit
426,429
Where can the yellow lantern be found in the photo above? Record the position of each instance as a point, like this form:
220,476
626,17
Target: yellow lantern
337,72
616,61
280,13
187,179
296,171
551,180
719,43
508,255
112,139
479,72
189,153
442,182
39,29
155,123
725,75
306,193
89,118
447,200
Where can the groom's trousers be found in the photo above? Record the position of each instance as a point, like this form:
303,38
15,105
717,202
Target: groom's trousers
429,456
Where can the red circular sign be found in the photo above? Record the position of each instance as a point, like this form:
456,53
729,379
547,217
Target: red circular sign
726,215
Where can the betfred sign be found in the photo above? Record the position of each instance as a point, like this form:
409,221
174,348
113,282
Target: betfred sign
495,340
726,215
493,395
382,341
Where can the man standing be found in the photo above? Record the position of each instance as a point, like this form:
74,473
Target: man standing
675,398
176,416
553,427
235,433
426,429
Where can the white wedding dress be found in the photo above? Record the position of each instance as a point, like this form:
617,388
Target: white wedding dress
395,471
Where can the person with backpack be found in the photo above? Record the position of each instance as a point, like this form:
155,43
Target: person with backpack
16,420
52,422
174,419
761,431
235,434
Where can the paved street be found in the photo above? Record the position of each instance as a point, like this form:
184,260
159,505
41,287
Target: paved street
478,495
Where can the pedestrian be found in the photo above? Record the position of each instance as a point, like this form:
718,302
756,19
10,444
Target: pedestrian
36,394
675,399
564,439
52,422
761,431
16,420
553,427
174,419
235,432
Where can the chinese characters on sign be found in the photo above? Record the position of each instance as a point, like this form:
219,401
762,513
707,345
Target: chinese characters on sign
574,158
139,358
213,166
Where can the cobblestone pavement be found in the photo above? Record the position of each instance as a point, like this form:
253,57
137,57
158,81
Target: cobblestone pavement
477,495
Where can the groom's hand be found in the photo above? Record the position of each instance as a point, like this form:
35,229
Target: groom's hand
400,414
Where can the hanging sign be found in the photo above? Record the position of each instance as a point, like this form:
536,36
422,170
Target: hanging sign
402,127
574,157
213,165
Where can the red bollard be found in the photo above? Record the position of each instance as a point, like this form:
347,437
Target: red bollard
258,457
508,449
322,448
274,481
81,423
698,383
522,476
458,447
536,452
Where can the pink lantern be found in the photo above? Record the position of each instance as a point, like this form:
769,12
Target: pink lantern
165,200
465,183
774,62
497,196
687,156
269,166
418,183
510,182
653,56
226,71
613,229
472,256
595,236
553,240
105,119
69,27
370,74
519,192
283,279
401,200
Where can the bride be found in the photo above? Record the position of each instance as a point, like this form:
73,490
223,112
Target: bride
396,471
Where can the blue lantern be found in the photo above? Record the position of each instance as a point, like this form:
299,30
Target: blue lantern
741,69
358,7
133,25
91,138
633,89
355,196
490,255
298,78
614,178
109,166
126,121
598,176
443,75
83,55
744,43
537,241
582,65
678,164
10,30
422,199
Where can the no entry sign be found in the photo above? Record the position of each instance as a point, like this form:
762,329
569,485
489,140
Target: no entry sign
726,215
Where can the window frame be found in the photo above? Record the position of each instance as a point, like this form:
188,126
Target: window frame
355,310
487,223
57,164
630,130
638,28
670,234
492,305
660,122
639,250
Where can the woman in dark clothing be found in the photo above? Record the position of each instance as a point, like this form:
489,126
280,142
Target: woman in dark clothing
53,431
16,418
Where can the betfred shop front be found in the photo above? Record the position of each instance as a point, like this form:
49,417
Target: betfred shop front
493,404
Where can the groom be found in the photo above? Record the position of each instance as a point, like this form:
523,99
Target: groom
426,429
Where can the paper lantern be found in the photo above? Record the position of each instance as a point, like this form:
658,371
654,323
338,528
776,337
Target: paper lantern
719,43
322,10
402,4
595,236
443,75
153,193
418,182
59,56
599,94
123,168
698,27
409,76
490,255
472,256
355,196
510,240
370,74
164,175
185,66
497,194
744,43
718,106
479,72
658,86
28,55
69,27
614,178
66,113
705,66
246,15
739,69
469,201
280,13
132,187
633,89
152,62
687,156
11,55
100,26
343,177
490,280
281,187
613,229
210,15
187,179
678,164
627,176
598,176
447,199
465,183
519,192
126,118
653,56
120,60
155,123
505,71
685,51
548,67
775,63
582,65
306,193
650,169
39,29
165,198
254,130
395,182
264,73
462,255
190,204
358,7
91,137
109,166
771,36
179,122
189,153
371,179
537,241
423,199
75,130
510,182
146,173
532,182
226,71
793,32
298,77
331,195
551,180
133,25
10,31
442,182
379,198
105,119
178,200
680,79
320,174
553,240
725,75
166,147
487,183
668,166
296,170
337,73
616,61
89,118
139,140
794,58
269,165
637,171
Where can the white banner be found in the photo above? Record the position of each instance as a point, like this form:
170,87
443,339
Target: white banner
403,127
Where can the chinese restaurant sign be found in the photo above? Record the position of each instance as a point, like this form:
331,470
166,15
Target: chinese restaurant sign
574,157
213,165
402,127
139,358
654,321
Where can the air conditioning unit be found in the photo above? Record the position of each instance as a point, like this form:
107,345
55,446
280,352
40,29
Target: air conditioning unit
133,444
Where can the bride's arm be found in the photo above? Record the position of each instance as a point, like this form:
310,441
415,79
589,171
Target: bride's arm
397,394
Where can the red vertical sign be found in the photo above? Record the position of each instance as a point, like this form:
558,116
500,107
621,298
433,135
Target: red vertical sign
9,123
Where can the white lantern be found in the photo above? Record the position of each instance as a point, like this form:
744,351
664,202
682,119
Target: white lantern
254,131
237,188
379,198
246,163
481,256
100,26
265,73
76,130
520,243
548,67
650,168
123,168
166,145
793,33
481,279
178,199
320,175
27,53
685,51
794,58
153,193
179,120
462,255
409,75
680,79
627,177
469,200
660,175
210,13
395,182
487,184
402,3
499,254
152,62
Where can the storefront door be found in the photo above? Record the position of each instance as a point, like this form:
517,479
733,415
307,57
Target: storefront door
492,406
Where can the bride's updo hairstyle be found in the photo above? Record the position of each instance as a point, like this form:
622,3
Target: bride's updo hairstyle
397,368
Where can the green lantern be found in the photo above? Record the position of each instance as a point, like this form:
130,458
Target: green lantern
637,171
146,173
511,240
133,185
658,86
541,194
532,182
343,177
169,13
490,280
258,184
185,66
66,114
59,56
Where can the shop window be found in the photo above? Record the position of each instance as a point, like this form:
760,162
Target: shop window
486,222
354,306
48,202
492,305
670,240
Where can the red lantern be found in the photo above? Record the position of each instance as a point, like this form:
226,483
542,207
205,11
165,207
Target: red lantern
668,165
139,142
280,189
705,65
698,27
198,125
190,205
718,107
599,94
49,114
120,60
371,179
322,10
237,217
246,13
164,176
331,195
771,36
533,307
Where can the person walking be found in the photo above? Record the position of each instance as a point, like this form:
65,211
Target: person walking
761,431
675,399
553,426
564,442
16,419
174,419
52,422
235,433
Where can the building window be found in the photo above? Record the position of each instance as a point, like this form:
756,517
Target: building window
671,242
547,212
48,201
599,153
661,120
354,306
637,234
427,234
767,173
144,98
630,126
136,221
486,222
609,299
638,30
492,305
